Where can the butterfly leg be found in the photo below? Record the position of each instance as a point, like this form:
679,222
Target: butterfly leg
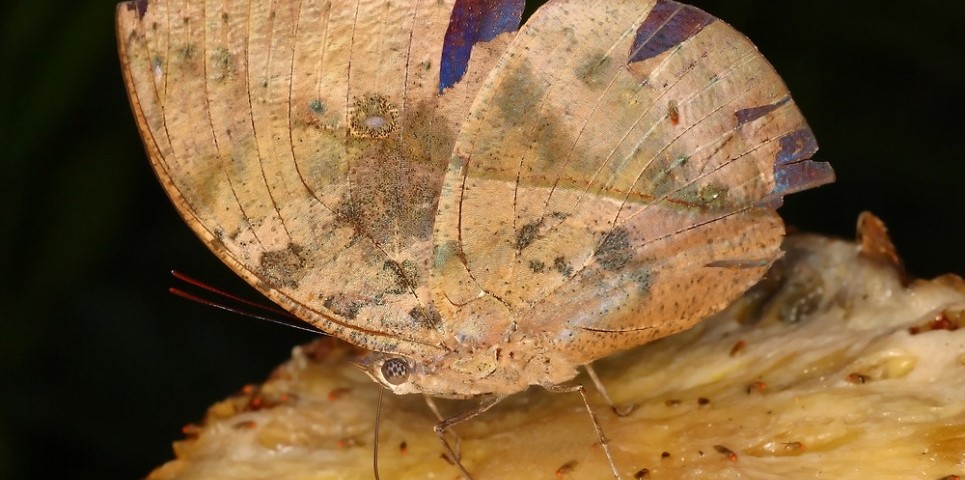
596,423
620,410
435,410
444,425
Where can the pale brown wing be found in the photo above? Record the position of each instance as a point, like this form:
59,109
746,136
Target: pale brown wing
618,175
305,142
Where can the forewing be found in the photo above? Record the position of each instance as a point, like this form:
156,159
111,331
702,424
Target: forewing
305,142
618,175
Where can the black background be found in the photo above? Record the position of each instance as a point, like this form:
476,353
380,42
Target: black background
101,367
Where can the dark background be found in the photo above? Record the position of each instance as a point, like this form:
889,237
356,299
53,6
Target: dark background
101,367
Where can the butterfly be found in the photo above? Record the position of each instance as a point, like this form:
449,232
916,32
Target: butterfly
482,206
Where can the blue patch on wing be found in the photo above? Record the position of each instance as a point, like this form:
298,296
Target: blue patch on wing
793,169
796,146
474,21
667,25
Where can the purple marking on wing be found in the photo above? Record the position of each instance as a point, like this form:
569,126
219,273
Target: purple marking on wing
667,25
796,146
140,6
474,21
793,169
748,115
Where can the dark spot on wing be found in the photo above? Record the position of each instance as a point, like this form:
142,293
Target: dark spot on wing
445,252
519,96
426,315
374,116
187,52
518,102
562,266
396,179
593,72
644,280
536,266
474,21
711,197
528,234
669,24
614,252
283,267
348,213
535,229
343,306
405,275
224,64
317,106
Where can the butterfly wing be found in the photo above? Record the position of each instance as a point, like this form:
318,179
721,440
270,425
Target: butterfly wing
617,177
305,142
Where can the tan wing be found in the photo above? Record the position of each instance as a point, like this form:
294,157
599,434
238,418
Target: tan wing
617,179
305,142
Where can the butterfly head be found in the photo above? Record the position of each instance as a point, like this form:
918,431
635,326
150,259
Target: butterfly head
398,374
403,375
465,374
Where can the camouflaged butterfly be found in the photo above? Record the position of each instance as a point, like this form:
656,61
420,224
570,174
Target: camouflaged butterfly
483,208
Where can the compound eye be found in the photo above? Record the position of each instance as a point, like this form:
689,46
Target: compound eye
395,371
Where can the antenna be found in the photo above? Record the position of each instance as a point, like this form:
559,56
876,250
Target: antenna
247,308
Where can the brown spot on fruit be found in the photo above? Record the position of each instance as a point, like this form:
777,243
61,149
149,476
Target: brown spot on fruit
950,319
759,387
726,452
565,469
